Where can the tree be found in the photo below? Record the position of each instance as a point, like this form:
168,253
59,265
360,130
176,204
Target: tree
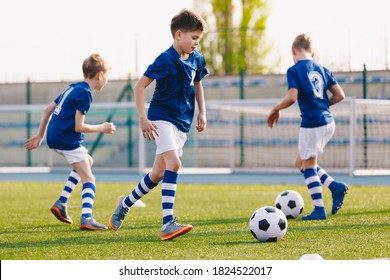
234,45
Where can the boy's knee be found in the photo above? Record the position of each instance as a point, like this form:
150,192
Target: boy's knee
175,166
88,179
90,159
298,163
156,176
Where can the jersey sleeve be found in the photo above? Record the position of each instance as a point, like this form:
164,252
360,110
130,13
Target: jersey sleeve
84,101
57,100
331,78
292,79
202,70
159,69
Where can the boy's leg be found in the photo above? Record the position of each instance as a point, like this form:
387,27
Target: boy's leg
338,189
169,150
88,200
83,168
315,189
311,142
168,193
170,228
125,202
60,207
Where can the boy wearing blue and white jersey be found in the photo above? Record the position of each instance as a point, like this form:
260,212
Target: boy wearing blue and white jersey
63,123
61,133
178,72
309,82
173,98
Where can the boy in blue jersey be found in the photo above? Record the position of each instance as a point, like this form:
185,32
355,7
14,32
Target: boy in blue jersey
309,82
63,123
178,72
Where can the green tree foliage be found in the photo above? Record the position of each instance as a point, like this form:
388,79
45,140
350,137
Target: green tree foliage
236,40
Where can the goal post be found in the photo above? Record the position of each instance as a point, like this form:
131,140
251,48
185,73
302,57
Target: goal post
370,137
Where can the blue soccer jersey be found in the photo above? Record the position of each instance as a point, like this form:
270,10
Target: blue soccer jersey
312,82
61,132
174,97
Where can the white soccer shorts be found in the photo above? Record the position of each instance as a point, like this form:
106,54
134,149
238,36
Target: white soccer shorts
170,138
312,141
73,156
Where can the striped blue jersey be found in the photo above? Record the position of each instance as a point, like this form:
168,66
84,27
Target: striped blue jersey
312,82
173,99
61,132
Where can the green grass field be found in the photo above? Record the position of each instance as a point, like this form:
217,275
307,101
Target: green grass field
219,214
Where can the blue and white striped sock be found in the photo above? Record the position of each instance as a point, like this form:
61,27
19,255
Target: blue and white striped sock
144,187
70,185
87,199
168,192
314,185
325,178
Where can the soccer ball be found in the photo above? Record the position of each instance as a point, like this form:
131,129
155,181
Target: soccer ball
291,203
268,224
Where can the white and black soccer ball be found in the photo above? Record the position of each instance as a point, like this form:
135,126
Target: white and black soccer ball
268,224
291,203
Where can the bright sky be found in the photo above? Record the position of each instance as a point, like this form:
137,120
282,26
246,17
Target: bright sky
346,33
47,40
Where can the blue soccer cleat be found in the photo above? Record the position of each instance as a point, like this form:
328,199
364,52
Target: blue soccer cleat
318,213
339,190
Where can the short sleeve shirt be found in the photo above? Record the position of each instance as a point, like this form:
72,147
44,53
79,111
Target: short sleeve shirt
61,132
312,82
174,97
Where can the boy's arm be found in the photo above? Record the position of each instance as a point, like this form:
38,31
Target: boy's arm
36,140
82,127
149,129
199,95
286,102
337,94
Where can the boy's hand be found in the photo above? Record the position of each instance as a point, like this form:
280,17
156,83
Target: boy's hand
33,142
148,128
109,128
202,122
273,118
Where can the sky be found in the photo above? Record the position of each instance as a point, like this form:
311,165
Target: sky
47,40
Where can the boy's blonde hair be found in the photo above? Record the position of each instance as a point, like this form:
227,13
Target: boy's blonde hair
93,65
187,21
303,42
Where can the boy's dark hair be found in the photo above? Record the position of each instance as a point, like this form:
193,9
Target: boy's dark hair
93,65
187,21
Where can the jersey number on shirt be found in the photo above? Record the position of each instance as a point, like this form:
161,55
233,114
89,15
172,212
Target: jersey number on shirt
318,84
58,108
